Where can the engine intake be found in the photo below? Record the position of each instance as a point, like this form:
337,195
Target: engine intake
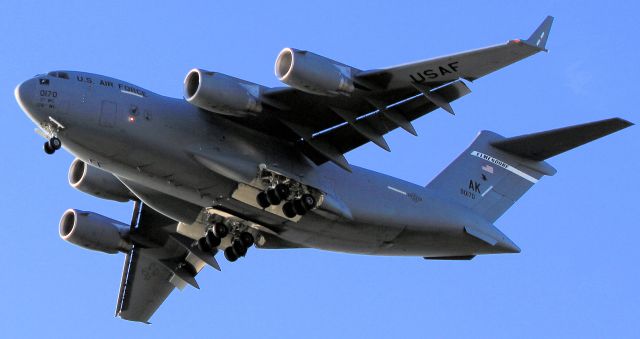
313,73
221,93
94,231
96,182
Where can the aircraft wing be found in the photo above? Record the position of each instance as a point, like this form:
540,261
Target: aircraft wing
469,65
326,127
146,287
159,261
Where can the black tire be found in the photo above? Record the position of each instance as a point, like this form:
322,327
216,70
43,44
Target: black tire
273,197
262,200
48,149
308,201
203,245
239,248
230,255
288,211
212,240
55,143
220,230
247,239
298,207
282,191
211,218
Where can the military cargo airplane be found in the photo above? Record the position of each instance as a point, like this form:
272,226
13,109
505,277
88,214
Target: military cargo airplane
235,164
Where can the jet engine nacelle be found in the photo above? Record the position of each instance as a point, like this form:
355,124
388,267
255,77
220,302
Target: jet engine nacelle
313,73
94,181
221,93
94,231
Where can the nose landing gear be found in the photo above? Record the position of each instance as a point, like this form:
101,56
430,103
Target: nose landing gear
51,129
52,145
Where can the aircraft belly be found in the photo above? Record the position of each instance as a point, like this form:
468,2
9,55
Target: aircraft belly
311,231
389,224
413,243
389,230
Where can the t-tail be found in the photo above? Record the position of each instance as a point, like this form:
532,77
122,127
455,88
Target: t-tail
494,172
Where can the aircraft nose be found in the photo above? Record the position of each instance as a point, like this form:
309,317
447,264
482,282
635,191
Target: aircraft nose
24,94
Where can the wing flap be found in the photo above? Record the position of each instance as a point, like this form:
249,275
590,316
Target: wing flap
362,127
346,138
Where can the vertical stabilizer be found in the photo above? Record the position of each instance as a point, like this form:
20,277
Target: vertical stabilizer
494,171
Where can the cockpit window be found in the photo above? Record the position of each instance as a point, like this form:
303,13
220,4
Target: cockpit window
58,74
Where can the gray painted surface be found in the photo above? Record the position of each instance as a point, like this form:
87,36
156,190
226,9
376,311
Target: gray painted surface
192,164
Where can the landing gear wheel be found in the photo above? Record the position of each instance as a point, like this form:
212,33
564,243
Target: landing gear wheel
203,245
273,197
48,149
230,255
308,201
262,200
220,230
298,207
282,191
55,143
212,240
238,248
287,209
247,239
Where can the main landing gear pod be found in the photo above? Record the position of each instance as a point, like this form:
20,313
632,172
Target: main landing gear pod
240,240
298,198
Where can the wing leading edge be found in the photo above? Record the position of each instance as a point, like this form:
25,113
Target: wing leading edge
470,65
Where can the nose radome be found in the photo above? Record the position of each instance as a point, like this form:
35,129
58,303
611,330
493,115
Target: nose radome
24,94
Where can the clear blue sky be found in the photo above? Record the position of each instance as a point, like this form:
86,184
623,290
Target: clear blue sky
577,275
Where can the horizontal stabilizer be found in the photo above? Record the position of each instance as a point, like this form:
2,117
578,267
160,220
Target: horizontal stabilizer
544,145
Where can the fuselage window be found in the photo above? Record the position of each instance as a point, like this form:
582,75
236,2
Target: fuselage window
133,110
61,75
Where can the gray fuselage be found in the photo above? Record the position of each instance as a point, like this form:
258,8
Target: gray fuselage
151,140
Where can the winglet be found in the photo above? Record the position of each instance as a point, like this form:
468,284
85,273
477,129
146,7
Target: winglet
539,38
